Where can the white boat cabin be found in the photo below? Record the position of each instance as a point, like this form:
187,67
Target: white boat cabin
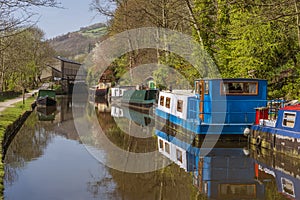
119,91
175,102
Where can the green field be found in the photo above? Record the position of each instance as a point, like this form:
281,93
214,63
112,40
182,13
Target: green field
95,32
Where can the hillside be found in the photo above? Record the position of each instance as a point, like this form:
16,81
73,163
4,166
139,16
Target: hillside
76,45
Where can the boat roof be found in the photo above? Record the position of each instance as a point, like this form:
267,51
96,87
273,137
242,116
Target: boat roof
123,87
180,92
232,79
293,107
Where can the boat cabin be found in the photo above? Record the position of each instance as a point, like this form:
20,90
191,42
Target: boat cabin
221,102
288,117
119,90
238,98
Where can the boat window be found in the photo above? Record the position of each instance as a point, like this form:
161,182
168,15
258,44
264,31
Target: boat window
179,105
179,155
167,148
162,100
161,144
233,190
198,86
289,119
206,87
168,102
239,88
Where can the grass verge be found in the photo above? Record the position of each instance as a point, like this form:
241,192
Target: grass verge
7,117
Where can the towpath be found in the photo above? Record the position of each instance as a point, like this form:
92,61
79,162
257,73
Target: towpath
10,102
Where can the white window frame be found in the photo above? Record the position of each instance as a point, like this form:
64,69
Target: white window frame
294,120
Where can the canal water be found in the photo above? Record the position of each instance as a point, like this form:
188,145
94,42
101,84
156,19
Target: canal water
48,160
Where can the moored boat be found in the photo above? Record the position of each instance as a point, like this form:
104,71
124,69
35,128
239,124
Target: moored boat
46,98
118,91
282,134
140,99
215,106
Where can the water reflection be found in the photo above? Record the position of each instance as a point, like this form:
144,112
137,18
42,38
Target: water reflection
46,113
278,171
46,160
236,171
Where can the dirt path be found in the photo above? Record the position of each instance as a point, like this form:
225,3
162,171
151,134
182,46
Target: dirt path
10,102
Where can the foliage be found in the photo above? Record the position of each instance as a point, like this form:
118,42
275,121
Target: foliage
248,39
23,57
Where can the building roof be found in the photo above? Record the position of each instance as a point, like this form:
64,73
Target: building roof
67,60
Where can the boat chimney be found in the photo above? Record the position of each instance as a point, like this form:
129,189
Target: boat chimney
261,113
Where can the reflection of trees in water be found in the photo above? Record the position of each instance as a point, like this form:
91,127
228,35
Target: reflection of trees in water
27,145
122,139
100,186
169,183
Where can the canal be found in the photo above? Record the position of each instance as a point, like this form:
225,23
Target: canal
49,160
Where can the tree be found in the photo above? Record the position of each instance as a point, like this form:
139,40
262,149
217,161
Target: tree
25,55
14,14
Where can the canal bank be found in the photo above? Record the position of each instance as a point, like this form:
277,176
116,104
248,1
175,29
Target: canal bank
12,115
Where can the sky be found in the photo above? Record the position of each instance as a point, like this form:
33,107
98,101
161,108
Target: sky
76,14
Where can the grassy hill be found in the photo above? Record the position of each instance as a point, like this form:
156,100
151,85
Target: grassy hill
76,45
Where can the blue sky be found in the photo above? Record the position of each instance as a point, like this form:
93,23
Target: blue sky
54,21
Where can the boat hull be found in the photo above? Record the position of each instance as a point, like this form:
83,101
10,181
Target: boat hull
139,99
199,128
284,141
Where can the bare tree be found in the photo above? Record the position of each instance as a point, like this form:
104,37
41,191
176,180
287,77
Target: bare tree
17,13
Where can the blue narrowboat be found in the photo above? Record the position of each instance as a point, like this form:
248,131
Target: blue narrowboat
282,134
216,106
224,173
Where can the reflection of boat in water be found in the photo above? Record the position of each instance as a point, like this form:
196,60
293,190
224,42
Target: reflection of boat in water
133,122
46,113
46,98
140,118
279,169
103,106
286,183
216,106
224,173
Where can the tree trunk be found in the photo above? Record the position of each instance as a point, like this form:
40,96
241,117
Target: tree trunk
194,21
23,95
297,21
